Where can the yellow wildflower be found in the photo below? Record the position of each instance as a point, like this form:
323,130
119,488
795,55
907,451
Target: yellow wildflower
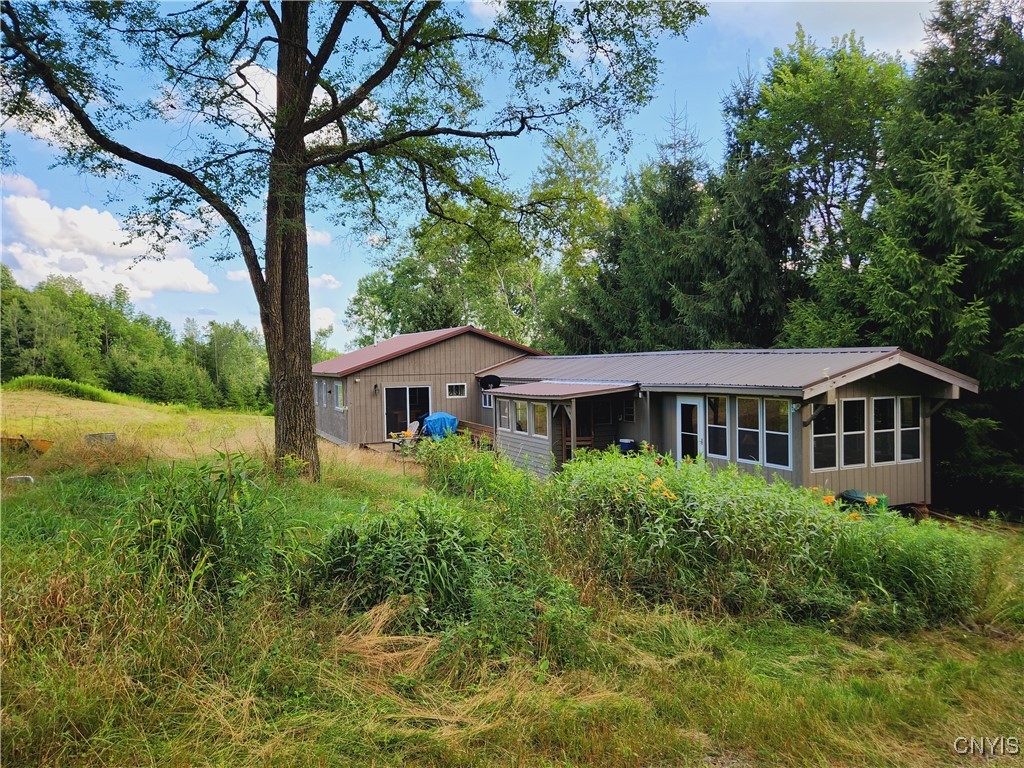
853,516
815,489
829,499
871,500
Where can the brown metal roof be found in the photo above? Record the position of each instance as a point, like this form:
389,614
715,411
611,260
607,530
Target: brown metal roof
389,349
800,372
559,390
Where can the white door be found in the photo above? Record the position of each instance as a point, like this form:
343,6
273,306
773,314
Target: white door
690,434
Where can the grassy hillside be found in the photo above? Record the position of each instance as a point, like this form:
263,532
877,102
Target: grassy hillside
125,642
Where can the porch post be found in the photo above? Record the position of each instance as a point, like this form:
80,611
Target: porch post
572,428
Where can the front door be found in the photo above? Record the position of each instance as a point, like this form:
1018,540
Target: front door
690,436
403,405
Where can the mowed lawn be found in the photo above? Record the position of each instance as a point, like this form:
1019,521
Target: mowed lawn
99,669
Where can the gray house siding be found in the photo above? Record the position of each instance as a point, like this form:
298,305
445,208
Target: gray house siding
903,482
331,422
528,451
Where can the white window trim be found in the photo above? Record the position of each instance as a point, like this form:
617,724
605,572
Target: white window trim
900,429
508,404
841,426
486,400
760,430
708,426
465,390
512,417
895,431
316,392
835,438
788,433
532,421
339,396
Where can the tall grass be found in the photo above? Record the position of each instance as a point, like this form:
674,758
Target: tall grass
69,389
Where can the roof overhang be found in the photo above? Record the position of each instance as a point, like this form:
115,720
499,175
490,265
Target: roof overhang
561,390
956,381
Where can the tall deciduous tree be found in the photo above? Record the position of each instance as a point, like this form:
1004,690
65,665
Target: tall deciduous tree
372,101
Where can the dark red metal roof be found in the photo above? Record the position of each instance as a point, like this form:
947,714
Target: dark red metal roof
389,349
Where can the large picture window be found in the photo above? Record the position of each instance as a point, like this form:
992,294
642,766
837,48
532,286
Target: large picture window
854,425
748,411
776,433
883,430
521,416
503,419
540,418
910,429
718,427
823,438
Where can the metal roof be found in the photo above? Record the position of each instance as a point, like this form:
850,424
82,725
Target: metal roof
559,390
389,349
800,372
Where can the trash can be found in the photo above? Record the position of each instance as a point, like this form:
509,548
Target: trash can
626,445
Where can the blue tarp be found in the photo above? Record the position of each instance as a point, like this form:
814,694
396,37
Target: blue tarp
439,424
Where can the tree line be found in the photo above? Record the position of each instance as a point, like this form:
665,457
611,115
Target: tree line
59,329
861,201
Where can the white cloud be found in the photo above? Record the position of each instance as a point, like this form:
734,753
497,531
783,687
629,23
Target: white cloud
330,282
486,10
885,26
316,237
375,239
16,184
238,275
91,246
323,317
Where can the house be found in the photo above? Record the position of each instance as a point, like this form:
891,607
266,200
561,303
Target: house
841,419
363,396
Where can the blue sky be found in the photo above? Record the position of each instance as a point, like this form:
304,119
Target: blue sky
55,221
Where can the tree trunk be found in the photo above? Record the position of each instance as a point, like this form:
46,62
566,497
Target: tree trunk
284,310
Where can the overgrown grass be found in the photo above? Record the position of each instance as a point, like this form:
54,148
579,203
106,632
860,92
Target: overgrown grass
734,541
211,612
69,388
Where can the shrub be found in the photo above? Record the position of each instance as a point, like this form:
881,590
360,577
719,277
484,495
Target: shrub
455,465
205,527
731,539
458,574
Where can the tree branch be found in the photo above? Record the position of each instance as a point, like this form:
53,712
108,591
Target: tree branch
391,62
108,144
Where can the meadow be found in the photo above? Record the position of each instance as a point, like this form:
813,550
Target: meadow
168,601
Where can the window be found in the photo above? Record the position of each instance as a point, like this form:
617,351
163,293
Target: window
823,438
540,418
456,391
776,433
316,392
910,429
339,395
521,416
603,412
629,410
486,400
718,427
883,430
503,414
749,428
854,426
